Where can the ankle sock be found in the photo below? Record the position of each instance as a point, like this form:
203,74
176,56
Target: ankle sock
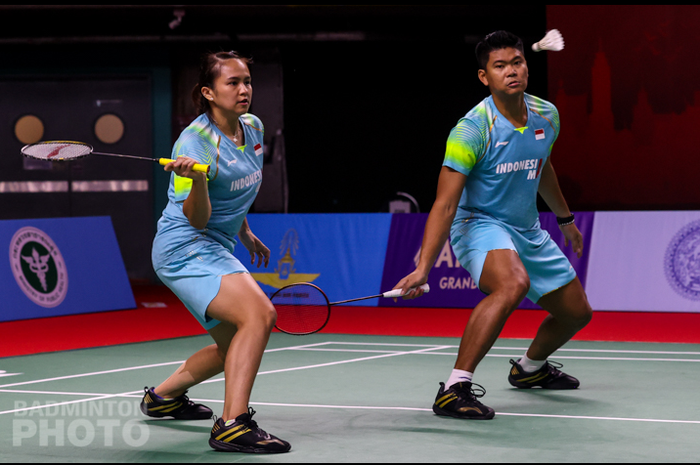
459,376
531,365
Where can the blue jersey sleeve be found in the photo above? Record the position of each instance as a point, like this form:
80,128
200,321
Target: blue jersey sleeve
199,149
465,145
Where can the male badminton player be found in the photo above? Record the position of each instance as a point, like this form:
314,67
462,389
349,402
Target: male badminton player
192,255
497,160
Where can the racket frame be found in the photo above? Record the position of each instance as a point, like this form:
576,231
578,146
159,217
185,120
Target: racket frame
328,308
162,161
390,294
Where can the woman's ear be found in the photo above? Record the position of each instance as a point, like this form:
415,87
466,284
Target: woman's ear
207,93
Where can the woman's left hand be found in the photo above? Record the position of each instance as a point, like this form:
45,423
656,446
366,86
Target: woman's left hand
255,247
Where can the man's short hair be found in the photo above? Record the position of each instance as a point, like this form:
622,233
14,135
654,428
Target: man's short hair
496,41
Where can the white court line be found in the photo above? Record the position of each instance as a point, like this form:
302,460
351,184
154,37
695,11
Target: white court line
341,362
612,351
99,397
426,351
364,351
55,393
107,396
124,394
82,375
386,344
137,394
566,357
417,409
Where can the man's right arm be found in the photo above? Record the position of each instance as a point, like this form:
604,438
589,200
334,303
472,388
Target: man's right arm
437,228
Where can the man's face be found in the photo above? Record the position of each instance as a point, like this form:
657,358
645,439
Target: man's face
506,72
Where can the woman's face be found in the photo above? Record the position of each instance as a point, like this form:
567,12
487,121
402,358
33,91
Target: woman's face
232,90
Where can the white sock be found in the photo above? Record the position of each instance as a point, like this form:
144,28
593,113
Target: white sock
458,376
530,365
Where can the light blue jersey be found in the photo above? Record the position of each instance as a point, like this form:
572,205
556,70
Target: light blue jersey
233,181
502,163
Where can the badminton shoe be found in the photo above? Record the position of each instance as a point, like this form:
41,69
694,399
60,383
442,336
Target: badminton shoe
460,401
547,377
179,408
243,435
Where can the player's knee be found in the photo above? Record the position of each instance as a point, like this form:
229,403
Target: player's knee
270,317
518,287
513,291
583,316
265,316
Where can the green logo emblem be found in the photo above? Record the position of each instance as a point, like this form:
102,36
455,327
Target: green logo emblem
38,267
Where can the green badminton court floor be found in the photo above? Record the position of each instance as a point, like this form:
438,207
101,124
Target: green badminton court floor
341,398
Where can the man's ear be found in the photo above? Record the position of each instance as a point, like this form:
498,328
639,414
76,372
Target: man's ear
483,78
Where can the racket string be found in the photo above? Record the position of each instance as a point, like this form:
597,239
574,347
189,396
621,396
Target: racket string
57,150
301,309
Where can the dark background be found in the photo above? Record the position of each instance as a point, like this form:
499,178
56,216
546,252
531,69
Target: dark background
370,93
365,96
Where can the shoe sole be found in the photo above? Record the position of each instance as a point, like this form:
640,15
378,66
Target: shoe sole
228,447
145,411
530,386
447,413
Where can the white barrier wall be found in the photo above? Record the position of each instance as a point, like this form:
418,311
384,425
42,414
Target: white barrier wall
645,261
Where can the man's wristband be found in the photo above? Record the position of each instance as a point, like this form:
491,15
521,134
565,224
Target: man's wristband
565,221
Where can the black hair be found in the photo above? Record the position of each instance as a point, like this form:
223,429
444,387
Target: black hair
496,41
209,70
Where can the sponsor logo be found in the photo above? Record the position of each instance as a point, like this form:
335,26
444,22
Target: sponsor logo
446,259
38,267
533,167
682,261
498,144
247,181
286,272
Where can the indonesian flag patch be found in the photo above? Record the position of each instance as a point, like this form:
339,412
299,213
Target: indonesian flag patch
539,134
259,150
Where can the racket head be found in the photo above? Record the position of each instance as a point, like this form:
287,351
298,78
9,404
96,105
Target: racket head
302,309
57,150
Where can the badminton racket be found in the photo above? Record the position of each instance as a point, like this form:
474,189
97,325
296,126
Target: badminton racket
303,308
63,150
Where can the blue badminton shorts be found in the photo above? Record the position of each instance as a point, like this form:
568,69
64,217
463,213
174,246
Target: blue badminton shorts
196,278
546,265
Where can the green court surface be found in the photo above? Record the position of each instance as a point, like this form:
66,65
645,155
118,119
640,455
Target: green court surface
341,398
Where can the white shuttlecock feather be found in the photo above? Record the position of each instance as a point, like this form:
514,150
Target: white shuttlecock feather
552,41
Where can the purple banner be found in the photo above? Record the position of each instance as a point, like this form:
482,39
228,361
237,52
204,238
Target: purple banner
451,286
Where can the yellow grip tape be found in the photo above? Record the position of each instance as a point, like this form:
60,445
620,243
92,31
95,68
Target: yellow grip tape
197,167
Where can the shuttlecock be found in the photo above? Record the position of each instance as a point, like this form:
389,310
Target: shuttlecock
552,41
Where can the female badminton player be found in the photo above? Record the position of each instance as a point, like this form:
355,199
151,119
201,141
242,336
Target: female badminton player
192,255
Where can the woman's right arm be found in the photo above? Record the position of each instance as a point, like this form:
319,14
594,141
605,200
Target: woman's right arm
197,207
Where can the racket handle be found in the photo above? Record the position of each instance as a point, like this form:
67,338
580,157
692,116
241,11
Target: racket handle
399,292
197,167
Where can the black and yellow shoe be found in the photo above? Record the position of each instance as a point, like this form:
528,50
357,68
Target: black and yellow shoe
243,435
460,401
547,377
179,408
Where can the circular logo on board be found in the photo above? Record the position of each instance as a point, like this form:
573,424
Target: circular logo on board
38,267
682,263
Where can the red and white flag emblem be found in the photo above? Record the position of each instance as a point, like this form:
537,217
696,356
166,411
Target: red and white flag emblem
258,149
539,134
